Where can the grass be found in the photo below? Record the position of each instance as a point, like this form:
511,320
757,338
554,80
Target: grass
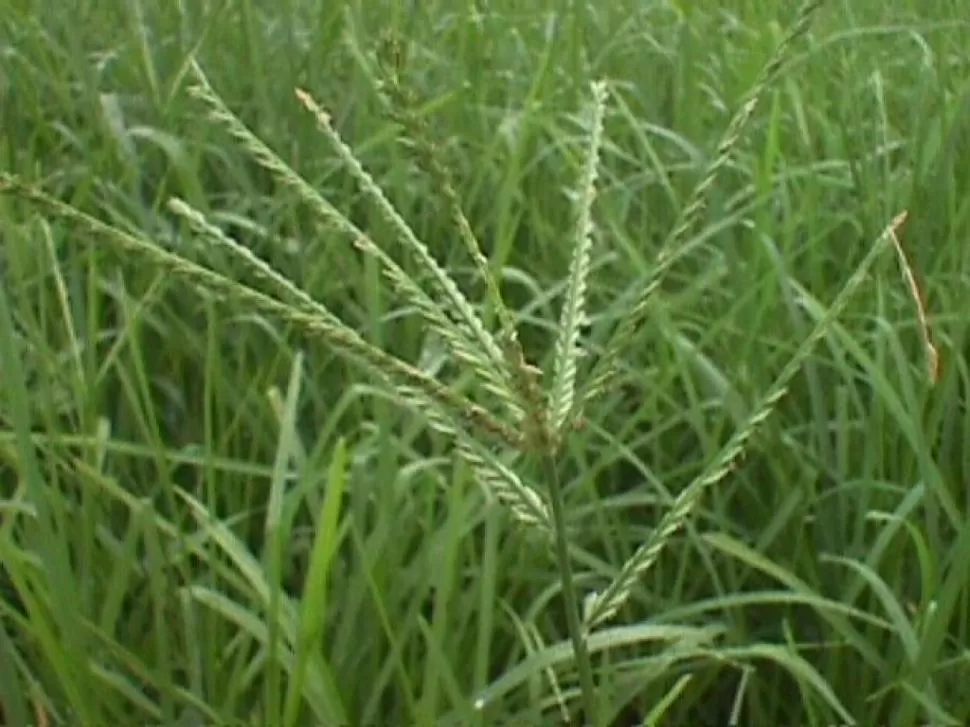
278,452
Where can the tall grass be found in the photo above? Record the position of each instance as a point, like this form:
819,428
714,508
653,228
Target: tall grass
472,365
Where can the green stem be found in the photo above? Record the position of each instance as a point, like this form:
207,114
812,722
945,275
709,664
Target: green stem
576,635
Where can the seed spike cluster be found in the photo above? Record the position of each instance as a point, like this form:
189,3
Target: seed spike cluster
679,242
606,604
400,106
574,317
306,315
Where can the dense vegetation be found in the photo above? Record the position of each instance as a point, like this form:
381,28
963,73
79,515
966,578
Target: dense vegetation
221,502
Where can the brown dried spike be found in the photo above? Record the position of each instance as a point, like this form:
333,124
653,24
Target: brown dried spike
916,293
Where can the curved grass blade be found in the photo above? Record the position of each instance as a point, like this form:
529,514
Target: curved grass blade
313,606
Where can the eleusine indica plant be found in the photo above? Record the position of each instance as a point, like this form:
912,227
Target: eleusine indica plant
514,415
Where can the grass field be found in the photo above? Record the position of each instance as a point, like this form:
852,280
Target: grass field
223,503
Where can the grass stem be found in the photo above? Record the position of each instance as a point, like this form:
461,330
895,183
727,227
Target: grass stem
571,597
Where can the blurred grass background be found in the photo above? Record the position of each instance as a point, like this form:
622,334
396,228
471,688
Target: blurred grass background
139,388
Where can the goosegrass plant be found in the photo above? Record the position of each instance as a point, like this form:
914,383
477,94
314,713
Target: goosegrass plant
509,427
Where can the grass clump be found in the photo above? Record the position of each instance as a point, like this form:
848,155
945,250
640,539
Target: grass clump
313,554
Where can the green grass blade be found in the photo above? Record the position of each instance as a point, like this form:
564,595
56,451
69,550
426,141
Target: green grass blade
316,595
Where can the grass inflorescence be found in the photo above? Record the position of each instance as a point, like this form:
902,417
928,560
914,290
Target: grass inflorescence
550,415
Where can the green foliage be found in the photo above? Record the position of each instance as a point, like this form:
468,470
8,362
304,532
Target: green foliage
553,368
